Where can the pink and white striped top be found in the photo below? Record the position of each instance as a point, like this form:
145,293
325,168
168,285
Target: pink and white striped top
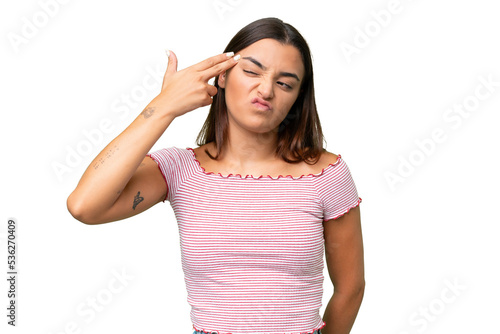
252,247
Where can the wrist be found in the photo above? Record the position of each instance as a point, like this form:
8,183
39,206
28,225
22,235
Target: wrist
159,109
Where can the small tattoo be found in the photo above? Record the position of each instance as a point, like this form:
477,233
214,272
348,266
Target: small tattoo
106,155
148,112
137,199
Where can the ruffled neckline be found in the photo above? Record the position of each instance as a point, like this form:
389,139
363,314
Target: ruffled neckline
202,169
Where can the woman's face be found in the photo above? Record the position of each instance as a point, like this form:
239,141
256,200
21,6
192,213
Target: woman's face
263,86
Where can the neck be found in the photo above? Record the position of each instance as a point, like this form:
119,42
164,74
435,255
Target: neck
245,148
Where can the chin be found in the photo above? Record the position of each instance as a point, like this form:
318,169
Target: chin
261,128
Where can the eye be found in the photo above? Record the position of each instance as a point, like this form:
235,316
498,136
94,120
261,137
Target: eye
250,72
284,85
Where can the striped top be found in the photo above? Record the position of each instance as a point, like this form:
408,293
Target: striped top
252,247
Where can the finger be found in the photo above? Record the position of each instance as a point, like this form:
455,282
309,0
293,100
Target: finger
171,66
172,63
211,90
220,68
212,61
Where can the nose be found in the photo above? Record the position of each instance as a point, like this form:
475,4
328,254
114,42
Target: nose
266,88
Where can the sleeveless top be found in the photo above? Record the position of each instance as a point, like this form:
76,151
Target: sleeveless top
252,247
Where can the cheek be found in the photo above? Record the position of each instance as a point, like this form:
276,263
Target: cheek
232,97
237,90
288,102
232,83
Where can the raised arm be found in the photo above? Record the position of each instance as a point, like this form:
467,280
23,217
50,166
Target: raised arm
122,181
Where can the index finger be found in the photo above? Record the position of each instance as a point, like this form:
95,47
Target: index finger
212,61
220,67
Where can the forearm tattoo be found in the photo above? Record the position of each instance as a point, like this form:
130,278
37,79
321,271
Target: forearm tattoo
137,199
108,154
148,112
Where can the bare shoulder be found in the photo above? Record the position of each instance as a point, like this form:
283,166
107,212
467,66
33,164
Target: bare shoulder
201,155
328,158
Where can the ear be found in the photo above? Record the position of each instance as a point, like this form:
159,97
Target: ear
222,80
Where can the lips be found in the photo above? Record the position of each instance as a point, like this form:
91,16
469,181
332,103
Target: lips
261,104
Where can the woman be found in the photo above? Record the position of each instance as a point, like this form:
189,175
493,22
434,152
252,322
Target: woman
252,246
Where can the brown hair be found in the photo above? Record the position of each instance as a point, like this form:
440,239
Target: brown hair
300,137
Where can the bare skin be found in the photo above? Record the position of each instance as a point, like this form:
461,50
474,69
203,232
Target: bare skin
345,263
270,71
252,130
122,181
250,151
272,168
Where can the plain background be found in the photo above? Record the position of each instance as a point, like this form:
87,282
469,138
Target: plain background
90,64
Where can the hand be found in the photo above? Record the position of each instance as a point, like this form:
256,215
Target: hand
188,89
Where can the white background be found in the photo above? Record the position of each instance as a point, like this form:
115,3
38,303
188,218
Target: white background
433,228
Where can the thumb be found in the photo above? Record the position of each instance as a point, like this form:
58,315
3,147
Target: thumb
171,67
172,62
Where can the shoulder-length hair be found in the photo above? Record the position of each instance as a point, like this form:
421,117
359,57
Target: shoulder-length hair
300,137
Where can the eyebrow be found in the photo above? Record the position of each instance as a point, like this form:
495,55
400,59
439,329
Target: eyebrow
262,67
